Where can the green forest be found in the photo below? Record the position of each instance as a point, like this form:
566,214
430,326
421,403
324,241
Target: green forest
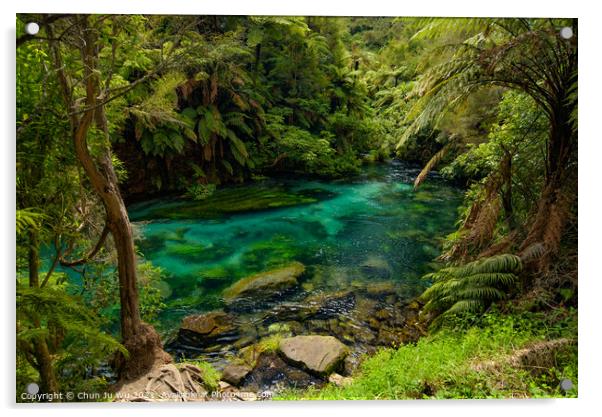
253,208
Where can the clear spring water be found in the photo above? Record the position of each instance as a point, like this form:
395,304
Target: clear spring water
374,218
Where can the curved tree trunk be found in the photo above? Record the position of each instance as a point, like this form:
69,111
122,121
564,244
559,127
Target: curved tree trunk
141,340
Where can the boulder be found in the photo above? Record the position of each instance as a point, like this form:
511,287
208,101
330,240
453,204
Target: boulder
234,374
263,286
318,354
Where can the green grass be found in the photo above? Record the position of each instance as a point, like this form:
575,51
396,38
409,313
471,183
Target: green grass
453,363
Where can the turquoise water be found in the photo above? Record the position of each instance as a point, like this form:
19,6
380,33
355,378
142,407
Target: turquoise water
375,220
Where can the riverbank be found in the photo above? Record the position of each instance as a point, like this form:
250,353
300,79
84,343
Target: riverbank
518,355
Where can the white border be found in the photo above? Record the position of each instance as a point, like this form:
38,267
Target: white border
590,152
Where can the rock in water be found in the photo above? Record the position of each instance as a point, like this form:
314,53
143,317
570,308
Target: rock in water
214,323
377,266
200,331
319,354
234,374
263,286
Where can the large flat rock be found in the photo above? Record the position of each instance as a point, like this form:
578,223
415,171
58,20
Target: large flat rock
318,354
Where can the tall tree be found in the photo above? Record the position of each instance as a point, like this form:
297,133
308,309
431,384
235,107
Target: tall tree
76,55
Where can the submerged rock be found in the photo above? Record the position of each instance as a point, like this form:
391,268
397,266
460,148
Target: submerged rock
334,277
323,305
381,289
377,266
262,286
318,354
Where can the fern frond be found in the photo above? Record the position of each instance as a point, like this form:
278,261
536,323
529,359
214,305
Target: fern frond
430,165
471,287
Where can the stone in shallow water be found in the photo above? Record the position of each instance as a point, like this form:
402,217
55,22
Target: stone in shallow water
319,354
381,289
263,286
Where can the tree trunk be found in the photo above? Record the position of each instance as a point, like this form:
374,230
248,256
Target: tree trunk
553,206
506,190
41,353
48,381
140,339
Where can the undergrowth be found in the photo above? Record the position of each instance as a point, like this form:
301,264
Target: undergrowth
468,358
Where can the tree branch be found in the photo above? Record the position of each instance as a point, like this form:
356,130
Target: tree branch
92,253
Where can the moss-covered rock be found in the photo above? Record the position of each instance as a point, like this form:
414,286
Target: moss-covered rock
264,285
214,277
184,251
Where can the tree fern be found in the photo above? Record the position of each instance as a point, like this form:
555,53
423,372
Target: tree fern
527,55
471,287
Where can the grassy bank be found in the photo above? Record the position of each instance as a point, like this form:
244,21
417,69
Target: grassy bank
496,356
